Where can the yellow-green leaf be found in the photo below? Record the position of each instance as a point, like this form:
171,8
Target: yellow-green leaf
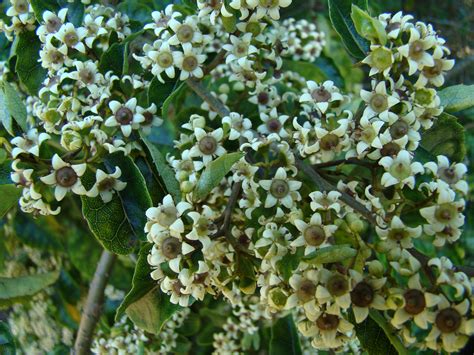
332,254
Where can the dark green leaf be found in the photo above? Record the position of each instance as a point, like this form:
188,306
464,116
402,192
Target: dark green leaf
332,254
166,172
167,104
5,118
307,70
108,222
191,325
7,343
5,170
75,10
113,59
445,137
14,105
13,290
289,263
368,27
151,311
213,174
457,98
28,66
284,337
340,15
10,195
40,6
142,283
37,232
135,197
158,92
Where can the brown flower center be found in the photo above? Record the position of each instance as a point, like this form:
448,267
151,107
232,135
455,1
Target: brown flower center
362,295
329,141
448,320
279,188
414,301
124,115
337,285
208,145
399,129
171,247
321,95
190,63
314,235
185,33
327,322
379,103
306,291
274,125
416,50
66,177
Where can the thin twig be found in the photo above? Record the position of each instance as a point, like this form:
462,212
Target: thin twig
214,103
345,161
93,307
325,186
218,59
423,259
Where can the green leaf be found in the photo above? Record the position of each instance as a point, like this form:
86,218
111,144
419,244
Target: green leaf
135,197
10,195
113,59
13,290
377,336
307,70
289,263
168,103
368,27
5,170
151,311
166,172
213,174
445,137
28,66
191,325
37,232
75,10
339,13
332,254
14,105
5,117
158,92
40,6
7,343
284,337
457,98
142,283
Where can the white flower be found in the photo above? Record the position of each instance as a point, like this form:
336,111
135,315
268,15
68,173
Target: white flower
65,177
189,62
240,49
270,7
379,102
273,125
366,294
314,234
125,116
281,190
107,184
239,126
208,144
321,96
163,60
452,174
167,216
398,234
52,23
185,32
416,51
72,37
400,170
29,142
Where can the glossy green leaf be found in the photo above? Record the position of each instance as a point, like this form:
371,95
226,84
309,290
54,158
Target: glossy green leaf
340,15
151,311
142,283
10,195
14,105
13,290
5,170
164,170
113,58
168,104
135,197
332,254
445,137
457,98
107,221
289,263
213,174
158,92
5,118
307,70
367,26
284,337
75,10
40,6
7,343
28,67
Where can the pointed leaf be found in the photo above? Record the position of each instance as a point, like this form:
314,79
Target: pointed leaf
332,254
339,13
284,337
10,195
457,98
13,290
445,137
14,105
164,169
213,174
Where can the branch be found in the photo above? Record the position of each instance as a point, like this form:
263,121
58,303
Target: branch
345,161
214,103
325,186
218,59
423,259
93,307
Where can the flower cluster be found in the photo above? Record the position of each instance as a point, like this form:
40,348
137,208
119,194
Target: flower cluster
321,207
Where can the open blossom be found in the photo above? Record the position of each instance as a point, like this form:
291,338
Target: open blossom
281,190
125,116
107,184
65,177
400,170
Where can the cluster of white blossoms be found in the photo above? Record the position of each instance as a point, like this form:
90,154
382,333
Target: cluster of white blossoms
262,230
326,205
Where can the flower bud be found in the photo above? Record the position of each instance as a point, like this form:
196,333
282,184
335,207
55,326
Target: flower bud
186,186
375,268
71,140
